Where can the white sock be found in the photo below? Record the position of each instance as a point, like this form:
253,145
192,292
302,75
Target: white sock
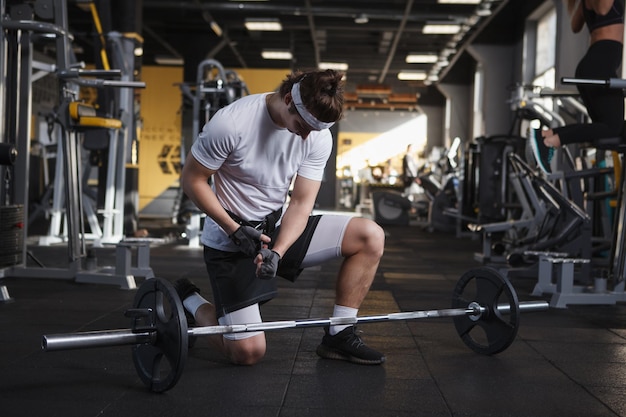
342,311
194,302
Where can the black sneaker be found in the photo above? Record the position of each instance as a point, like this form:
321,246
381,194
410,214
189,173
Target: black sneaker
348,346
543,154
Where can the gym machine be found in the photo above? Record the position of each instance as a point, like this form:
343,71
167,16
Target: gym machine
11,218
556,275
522,226
19,32
215,88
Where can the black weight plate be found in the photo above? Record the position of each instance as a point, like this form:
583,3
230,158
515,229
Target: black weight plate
161,363
494,331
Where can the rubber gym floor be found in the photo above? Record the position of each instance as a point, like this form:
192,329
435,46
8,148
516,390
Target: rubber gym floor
563,362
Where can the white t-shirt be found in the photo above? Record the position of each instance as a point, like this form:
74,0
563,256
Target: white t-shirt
255,161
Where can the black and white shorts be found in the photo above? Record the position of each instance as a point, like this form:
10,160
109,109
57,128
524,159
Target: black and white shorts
233,275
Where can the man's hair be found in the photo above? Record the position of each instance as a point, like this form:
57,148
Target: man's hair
321,91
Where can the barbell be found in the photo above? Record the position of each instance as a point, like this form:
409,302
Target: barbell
485,310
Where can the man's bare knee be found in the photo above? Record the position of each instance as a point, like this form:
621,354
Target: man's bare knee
364,236
246,358
373,236
377,239
246,351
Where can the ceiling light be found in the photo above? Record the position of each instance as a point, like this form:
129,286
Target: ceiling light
458,1
441,29
168,60
274,54
361,19
483,11
337,66
412,75
216,28
272,25
421,58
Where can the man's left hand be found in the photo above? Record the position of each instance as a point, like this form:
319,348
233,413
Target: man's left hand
267,263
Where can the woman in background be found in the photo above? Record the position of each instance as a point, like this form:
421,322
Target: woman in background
605,21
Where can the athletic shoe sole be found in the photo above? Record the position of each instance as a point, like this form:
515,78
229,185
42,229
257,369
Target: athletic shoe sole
330,353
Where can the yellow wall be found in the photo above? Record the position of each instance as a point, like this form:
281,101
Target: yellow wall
355,138
262,80
160,139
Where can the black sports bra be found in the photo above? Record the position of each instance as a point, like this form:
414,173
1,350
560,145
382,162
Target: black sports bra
615,15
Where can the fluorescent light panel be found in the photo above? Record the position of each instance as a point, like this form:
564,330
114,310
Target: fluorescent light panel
421,58
216,28
412,76
441,29
459,1
168,60
268,25
273,54
337,66
484,11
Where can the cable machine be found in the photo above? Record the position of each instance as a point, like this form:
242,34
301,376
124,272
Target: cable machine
20,31
215,88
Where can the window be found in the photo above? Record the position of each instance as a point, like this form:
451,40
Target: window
545,54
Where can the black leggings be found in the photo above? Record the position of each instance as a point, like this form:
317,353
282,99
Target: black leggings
604,105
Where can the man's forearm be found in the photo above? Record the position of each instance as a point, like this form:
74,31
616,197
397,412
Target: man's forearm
292,225
205,199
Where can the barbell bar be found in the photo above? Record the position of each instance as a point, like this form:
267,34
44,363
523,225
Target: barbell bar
615,83
121,337
482,299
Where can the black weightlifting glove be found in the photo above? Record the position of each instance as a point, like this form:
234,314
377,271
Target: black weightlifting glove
270,264
248,239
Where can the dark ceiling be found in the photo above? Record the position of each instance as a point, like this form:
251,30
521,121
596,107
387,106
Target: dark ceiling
314,31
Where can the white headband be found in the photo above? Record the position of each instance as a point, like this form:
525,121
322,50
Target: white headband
304,113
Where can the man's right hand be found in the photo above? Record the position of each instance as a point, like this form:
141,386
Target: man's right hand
248,239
